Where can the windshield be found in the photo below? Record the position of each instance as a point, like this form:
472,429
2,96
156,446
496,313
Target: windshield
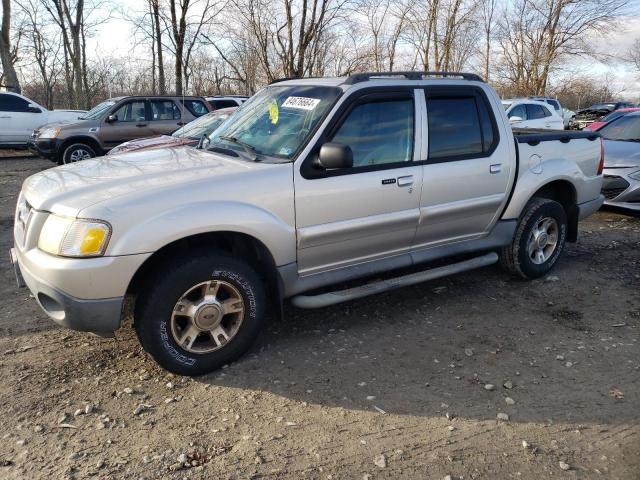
98,110
626,128
276,121
613,116
203,125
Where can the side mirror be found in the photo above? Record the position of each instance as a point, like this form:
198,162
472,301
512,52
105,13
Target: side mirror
515,119
335,155
112,118
31,108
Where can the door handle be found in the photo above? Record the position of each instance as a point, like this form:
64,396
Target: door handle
141,124
5,116
495,168
180,124
405,181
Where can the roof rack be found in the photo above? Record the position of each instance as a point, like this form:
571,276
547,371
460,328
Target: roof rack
363,77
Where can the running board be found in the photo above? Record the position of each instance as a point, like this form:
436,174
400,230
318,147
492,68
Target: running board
331,298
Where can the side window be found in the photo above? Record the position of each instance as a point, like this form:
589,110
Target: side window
164,110
131,112
195,107
11,103
535,112
519,111
554,104
378,132
456,127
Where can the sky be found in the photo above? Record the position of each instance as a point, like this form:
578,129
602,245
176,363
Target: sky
114,38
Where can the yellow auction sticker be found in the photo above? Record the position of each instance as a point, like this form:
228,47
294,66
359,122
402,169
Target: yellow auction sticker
274,113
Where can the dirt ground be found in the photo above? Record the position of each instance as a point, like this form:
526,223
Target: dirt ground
394,386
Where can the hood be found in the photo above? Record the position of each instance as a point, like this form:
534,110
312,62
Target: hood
152,142
620,154
588,113
595,126
68,111
70,188
62,123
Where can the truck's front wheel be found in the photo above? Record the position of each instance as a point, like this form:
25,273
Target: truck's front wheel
203,312
538,241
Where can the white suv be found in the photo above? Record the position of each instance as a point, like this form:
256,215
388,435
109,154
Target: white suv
20,116
525,113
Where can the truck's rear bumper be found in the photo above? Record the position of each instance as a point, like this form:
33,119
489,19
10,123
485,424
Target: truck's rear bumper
100,316
587,208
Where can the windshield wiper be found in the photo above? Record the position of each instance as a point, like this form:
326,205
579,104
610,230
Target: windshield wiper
250,149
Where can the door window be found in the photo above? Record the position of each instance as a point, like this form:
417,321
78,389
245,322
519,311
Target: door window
196,108
519,111
11,103
535,112
131,112
164,110
459,128
378,132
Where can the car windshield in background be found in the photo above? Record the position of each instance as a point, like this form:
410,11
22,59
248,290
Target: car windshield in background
98,110
204,125
625,129
275,122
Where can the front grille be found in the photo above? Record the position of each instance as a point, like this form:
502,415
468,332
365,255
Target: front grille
613,185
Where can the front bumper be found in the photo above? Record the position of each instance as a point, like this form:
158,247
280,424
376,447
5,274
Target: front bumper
100,316
47,148
619,189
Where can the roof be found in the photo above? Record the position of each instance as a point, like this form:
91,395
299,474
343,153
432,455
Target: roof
378,78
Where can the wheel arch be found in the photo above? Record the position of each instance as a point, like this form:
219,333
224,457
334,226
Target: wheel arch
87,140
236,244
563,192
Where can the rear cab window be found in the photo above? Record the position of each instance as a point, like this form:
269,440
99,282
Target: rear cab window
218,104
461,125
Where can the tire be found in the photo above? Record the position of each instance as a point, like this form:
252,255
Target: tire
159,322
518,258
77,152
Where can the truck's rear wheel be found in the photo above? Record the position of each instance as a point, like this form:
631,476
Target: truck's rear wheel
205,311
538,241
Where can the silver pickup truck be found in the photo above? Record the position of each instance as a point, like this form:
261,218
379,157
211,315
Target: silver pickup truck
311,183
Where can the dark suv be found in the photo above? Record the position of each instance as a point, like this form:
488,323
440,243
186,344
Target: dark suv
113,122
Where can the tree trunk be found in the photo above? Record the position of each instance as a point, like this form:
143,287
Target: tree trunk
10,77
162,88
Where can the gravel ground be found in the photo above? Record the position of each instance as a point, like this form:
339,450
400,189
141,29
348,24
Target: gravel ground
408,384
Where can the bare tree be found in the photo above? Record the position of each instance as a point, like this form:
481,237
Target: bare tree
535,35
487,12
634,54
9,75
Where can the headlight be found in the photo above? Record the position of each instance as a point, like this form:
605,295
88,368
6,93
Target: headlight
49,133
635,175
70,237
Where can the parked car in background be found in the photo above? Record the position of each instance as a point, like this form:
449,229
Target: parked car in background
19,116
567,115
585,117
113,122
621,184
610,117
554,102
525,113
190,134
225,101
312,183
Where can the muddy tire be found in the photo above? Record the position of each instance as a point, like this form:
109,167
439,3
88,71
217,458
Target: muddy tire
539,240
200,312
76,153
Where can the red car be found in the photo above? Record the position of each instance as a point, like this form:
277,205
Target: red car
611,116
190,134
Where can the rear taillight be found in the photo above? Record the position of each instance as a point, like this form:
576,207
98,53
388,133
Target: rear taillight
601,165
